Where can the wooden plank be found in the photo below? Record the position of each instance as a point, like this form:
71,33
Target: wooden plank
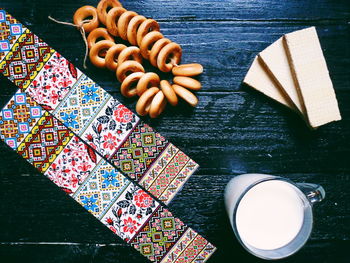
322,251
218,45
185,10
226,49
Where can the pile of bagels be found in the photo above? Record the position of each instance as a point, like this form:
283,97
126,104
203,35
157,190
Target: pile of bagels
110,20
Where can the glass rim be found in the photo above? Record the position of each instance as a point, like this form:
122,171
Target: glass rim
304,198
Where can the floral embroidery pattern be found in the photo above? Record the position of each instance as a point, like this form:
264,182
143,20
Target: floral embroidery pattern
130,211
123,114
53,82
143,200
72,166
110,127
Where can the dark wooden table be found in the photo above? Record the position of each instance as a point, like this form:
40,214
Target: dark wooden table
233,130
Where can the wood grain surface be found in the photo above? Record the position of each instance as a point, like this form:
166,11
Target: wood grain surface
233,130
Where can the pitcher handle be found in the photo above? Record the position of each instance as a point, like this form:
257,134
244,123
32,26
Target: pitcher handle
314,192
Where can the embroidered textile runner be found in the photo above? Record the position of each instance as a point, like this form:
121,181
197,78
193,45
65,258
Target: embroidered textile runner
94,148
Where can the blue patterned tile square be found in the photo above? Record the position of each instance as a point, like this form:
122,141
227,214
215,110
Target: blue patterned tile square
81,104
103,186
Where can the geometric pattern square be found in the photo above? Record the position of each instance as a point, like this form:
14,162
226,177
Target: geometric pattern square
176,185
17,118
139,150
193,250
25,59
168,174
73,165
159,165
109,127
158,235
130,212
44,142
190,247
10,30
53,82
101,189
81,104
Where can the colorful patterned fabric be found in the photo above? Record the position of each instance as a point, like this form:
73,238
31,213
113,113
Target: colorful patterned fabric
101,189
72,166
83,101
53,82
110,127
45,141
159,234
139,151
55,100
122,205
88,110
10,30
25,59
18,118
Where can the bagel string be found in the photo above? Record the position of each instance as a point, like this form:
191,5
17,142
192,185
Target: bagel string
144,33
148,43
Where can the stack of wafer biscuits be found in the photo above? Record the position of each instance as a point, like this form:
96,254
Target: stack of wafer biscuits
293,72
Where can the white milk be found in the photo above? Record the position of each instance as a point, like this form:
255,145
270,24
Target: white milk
270,215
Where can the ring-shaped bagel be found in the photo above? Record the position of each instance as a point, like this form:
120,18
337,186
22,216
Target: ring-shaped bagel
157,105
169,92
187,82
112,20
130,53
127,68
96,34
82,14
112,55
147,26
95,52
123,23
186,95
127,89
133,27
157,47
148,42
149,79
144,103
102,7
171,52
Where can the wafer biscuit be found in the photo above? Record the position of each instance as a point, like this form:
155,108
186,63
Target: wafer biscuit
310,71
259,79
276,63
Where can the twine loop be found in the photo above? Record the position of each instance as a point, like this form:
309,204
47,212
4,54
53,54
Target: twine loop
80,27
